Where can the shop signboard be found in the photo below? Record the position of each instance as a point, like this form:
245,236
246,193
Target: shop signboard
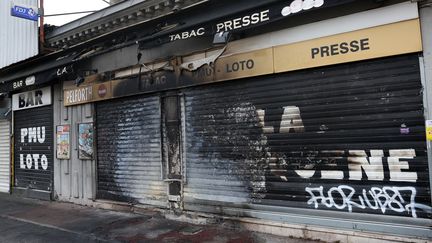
63,142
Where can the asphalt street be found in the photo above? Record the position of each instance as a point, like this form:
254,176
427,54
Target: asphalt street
33,221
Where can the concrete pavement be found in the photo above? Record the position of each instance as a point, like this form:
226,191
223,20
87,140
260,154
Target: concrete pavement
28,220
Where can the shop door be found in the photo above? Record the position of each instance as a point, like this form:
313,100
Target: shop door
33,143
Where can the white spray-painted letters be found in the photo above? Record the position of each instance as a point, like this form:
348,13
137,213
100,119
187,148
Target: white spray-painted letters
387,198
32,161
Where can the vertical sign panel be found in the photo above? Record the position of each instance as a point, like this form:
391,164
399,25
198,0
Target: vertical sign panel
4,156
63,142
85,141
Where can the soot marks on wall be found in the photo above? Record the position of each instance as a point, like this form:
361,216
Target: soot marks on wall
129,153
329,138
238,150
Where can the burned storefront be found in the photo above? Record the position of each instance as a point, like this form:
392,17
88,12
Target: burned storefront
31,136
297,114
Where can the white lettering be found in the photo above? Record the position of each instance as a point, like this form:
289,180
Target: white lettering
332,174
36,161
200,31
188,34
33,134
219,27
33,159
244,21
185,35
396,166
44,162
29,161
261,116
32,138
61,71
264,15
18,84
372,166
299,5
22,165
291,120
79,95
24,133
255,18
387,198
305,173
237,23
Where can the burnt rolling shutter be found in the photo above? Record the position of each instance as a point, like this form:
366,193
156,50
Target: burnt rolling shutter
128,150
309,138
31,172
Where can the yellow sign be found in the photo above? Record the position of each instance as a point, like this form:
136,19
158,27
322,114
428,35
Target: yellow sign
233,66
429,130
86,94
244,65
381,41
78,96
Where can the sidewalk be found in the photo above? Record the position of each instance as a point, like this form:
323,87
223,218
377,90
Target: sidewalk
27,220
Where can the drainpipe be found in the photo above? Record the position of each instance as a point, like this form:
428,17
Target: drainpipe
41,26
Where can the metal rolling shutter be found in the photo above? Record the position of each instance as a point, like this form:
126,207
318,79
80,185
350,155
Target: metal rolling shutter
128,150
268,140
4,156
32,175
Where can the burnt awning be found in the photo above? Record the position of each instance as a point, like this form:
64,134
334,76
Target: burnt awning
34,75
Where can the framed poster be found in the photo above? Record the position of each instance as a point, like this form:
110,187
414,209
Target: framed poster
63,141
85,140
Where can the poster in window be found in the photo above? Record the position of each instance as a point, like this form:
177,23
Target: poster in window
85,140
63,142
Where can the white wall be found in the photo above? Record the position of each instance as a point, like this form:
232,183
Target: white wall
18,37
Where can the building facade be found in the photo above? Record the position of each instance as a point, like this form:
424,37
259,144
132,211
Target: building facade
18,41
293,114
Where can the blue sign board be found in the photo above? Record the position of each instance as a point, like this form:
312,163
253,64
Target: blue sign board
25,13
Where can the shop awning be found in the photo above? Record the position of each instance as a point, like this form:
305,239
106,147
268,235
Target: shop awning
48,71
